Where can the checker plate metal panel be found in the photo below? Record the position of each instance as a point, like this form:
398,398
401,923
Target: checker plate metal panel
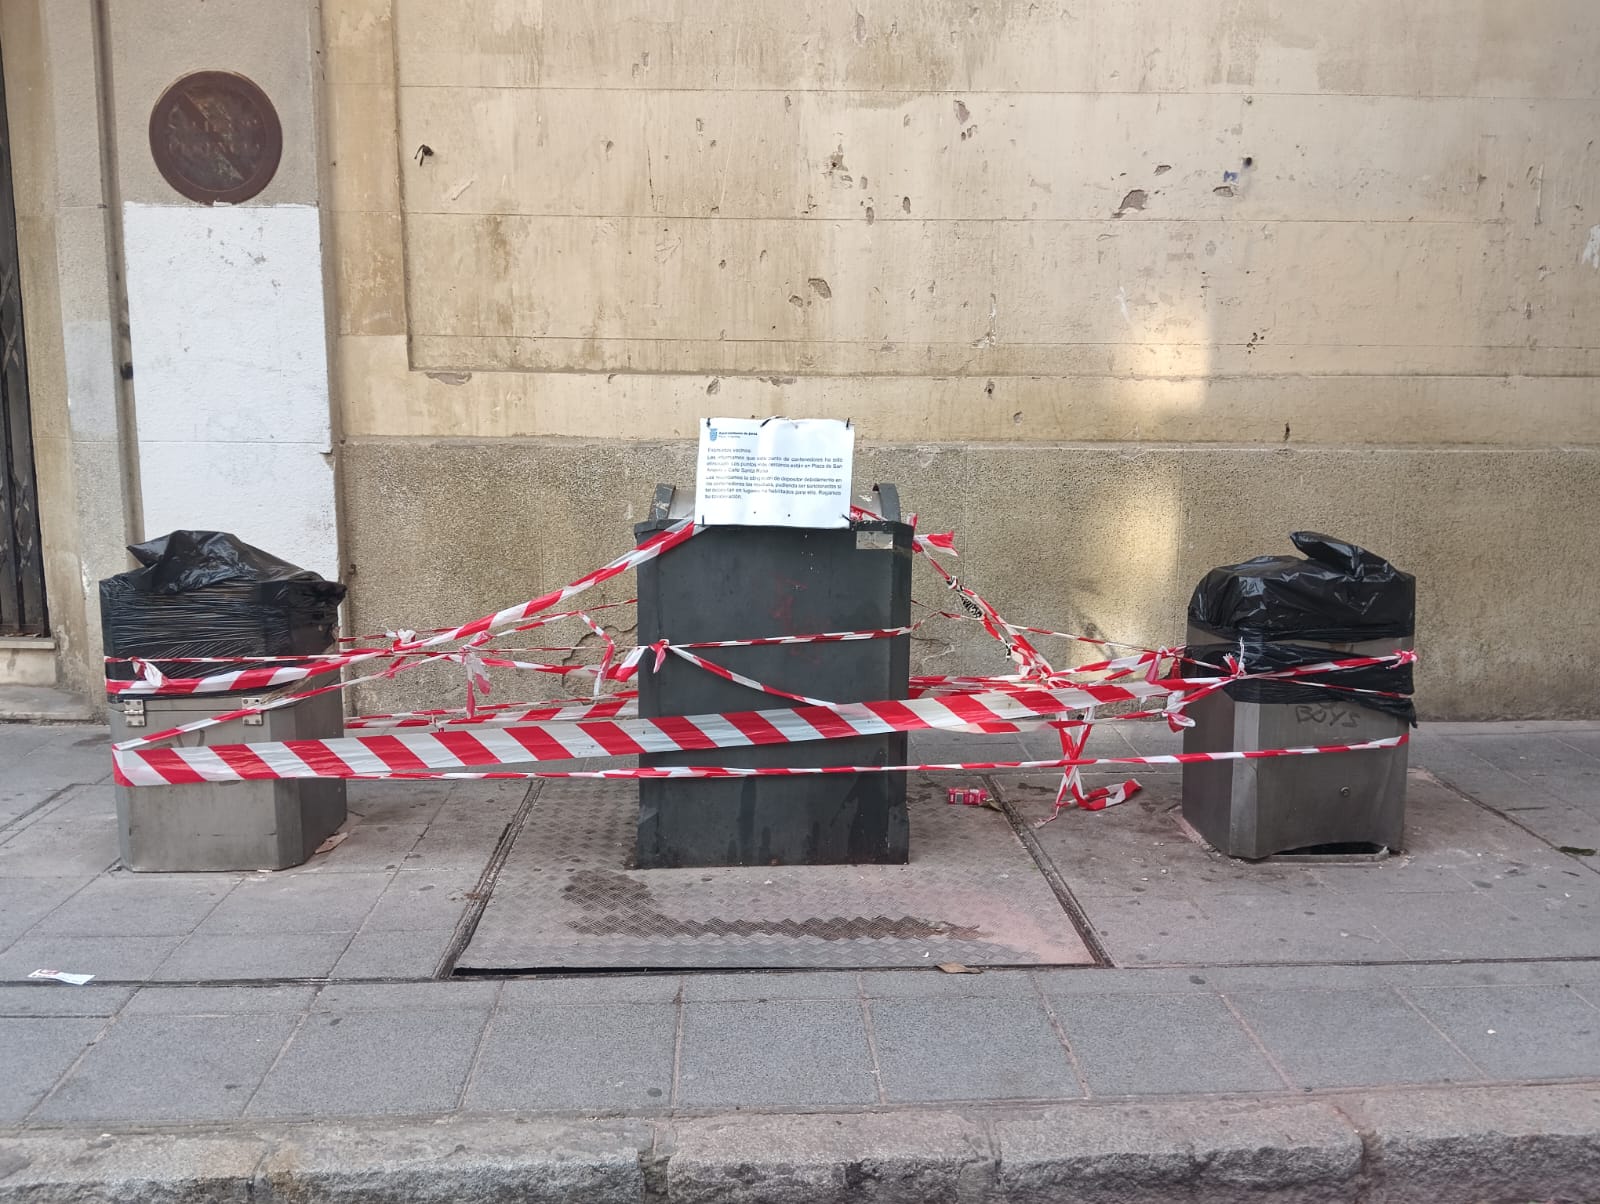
566,899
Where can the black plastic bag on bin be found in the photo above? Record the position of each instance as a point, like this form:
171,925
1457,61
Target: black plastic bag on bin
1339,593
208,593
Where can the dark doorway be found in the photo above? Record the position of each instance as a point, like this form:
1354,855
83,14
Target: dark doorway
22,604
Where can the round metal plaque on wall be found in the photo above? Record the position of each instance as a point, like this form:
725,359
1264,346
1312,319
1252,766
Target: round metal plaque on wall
215,137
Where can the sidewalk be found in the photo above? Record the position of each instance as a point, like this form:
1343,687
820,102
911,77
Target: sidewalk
1424,1027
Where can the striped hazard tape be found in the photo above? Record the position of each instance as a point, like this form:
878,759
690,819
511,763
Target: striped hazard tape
472,742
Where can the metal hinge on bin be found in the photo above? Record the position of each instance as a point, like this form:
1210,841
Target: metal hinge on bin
133,712
254,720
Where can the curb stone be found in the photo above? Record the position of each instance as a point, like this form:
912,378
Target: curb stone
1516,1144
1491,1145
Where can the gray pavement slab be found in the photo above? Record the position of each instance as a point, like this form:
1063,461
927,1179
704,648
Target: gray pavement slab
26,901
115,958
969,1048
124,904
1162,1045
219,1001
1351,1038
368,846
597,988
277,903
758,986
204,958
166,1068
903,984
38,1050
392,955
774,1054
1532,1032
63,999
365,1062
51,848
419,900
597,1057
407,996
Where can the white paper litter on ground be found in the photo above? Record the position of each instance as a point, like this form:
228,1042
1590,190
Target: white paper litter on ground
76,980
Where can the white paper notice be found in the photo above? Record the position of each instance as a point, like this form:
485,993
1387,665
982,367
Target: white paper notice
774,472
76,980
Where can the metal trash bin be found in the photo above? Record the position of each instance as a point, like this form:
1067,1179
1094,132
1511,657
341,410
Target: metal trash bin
268,825
1343,602
734,583
209,594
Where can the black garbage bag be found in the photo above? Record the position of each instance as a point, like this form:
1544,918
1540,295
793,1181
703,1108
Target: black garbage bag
208,593
1339,593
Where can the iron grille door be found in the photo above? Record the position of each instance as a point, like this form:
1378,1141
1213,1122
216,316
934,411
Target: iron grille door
22,603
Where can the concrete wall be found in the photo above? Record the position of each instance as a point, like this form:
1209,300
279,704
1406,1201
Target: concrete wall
1121,289
225,303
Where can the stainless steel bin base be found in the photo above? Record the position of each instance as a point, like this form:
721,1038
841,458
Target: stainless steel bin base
229,825
1258,808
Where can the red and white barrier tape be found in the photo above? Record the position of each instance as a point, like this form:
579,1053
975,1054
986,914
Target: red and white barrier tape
423,773
1037,696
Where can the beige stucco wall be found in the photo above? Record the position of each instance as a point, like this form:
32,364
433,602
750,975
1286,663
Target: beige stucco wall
1121,289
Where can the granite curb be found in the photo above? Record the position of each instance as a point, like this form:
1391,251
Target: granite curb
1511,1144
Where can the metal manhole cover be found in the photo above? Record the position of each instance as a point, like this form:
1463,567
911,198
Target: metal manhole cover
216,137
567,899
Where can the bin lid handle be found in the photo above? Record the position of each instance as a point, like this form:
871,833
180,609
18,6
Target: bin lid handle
888,502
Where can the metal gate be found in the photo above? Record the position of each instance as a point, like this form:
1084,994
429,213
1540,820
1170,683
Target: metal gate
22,606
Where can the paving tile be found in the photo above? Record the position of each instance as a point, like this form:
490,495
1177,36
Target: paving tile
62,999
969,1049
17,740
1162,1044
115,958
1445,926
127,904
151,1069
782,1052
594,988
767,985
597,1057
1518,1032
59,848
277,903
393,955
1544,761
465,844
26,901
1358,1038
919,983
370,845
295,955
1242,927
366,1063
407,996
219,1001
418,900
397,802
92,802
37,1052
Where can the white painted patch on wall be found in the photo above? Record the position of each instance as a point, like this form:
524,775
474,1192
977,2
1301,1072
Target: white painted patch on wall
1591,250
231,375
